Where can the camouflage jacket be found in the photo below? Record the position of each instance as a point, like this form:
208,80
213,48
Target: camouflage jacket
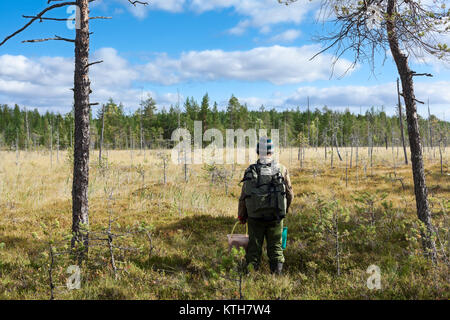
242,209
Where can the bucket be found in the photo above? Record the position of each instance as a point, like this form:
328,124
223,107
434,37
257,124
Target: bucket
238,240
284,238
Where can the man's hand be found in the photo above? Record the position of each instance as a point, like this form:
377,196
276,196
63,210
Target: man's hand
242,220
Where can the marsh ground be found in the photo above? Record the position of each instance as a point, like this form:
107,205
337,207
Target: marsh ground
188,223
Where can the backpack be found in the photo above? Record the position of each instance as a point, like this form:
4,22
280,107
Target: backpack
265,192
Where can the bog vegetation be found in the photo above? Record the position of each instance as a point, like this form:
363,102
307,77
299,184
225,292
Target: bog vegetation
155,236
160,233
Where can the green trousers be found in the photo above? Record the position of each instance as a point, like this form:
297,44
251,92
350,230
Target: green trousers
271,231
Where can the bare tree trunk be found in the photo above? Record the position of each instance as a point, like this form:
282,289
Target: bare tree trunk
317,139
430,130
309,126
165,173
290,158
440,154
101,136
332,154
51,143
185,167
28,127
71,139
57,146
351,150
336,235
17,147
141,131
392,141
346,168
337,147
131,146
371,154
356,158
420,188
401,122
80,205
301,150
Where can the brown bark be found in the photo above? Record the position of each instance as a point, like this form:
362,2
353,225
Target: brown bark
406,76
80,205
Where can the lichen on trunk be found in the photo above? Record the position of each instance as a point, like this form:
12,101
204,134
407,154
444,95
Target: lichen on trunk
80,204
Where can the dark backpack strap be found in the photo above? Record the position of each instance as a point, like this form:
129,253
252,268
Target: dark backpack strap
258,173
250,168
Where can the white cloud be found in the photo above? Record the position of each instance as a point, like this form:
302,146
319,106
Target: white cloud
240,28
45,82
114,70
286,36
42,70
255,13
346,95
275,64
258,13
355,97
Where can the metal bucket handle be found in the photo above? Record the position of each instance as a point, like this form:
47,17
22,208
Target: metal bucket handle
235,225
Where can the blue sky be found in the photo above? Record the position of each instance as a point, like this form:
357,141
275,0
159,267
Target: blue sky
257,50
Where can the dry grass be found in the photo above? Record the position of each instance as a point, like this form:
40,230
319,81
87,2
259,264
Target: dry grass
189,223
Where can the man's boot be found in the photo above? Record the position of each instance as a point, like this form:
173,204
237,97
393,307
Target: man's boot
276,268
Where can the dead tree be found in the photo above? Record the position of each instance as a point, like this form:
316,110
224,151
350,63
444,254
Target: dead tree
141,131
81,92
394,26
337,147
400,120
51,143
17,147
27,128
441,143
335,128
369,139
430,130
346,168
405,28
57,145
302,144
352,142
309,125
332,152
165,158
101,136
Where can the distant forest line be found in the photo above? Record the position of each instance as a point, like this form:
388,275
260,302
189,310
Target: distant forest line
149,128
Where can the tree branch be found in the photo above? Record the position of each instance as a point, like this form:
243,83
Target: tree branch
415,74
48,39
93,63
61,19
38,16
145,3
